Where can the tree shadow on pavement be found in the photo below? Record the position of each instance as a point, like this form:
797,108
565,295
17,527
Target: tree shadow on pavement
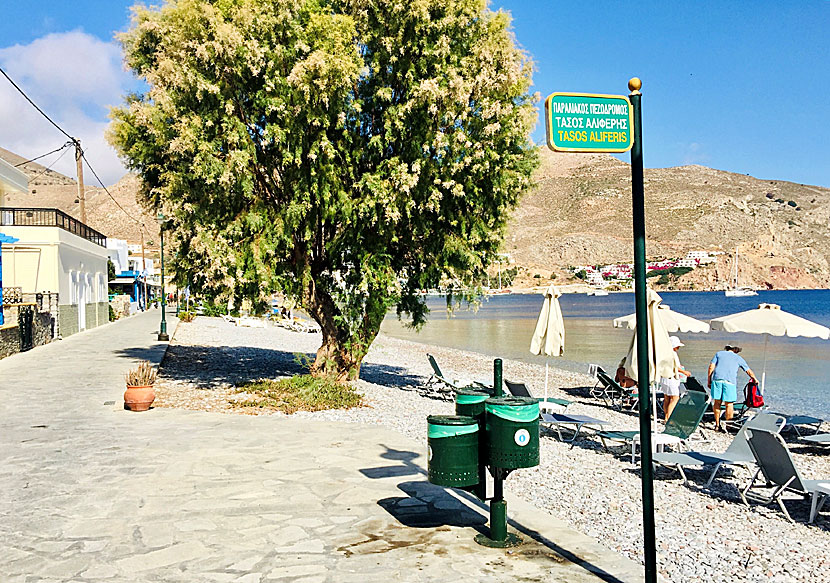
211,367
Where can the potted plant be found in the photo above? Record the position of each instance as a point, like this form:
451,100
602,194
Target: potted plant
139,394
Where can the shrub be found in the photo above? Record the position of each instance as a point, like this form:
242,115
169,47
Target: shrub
537,276
141,376
186,316
299,393
792,203
113,315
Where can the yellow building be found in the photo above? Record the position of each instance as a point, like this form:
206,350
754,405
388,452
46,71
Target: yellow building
56,253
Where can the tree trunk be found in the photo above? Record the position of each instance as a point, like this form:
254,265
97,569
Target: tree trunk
340,356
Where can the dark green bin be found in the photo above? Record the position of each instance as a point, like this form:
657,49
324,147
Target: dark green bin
470,402
512,427
452,450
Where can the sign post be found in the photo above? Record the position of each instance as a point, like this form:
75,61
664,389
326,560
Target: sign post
587,122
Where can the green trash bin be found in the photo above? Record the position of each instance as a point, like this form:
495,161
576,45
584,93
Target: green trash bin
470,402
512,429
452,450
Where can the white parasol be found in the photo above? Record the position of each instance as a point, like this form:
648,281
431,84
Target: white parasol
549,336
662,359
770,320
673,321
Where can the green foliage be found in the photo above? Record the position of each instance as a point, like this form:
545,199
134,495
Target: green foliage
112,316
110,270
186,317
346,152
212,309
299,393
537,276
792,203
581,274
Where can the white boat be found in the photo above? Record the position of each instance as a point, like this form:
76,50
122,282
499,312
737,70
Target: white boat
598,292
737,291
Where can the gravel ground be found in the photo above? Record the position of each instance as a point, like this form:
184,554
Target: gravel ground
700,536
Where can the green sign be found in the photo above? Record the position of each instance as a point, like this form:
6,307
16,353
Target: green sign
585,122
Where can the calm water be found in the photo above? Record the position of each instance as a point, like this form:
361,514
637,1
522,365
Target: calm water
798,369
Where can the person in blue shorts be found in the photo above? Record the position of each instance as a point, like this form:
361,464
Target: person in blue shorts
723,380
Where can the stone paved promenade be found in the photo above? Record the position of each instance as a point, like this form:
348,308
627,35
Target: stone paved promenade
91,492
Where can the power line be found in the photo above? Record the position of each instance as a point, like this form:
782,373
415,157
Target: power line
45,170
67,144
74,142
23,93
118,204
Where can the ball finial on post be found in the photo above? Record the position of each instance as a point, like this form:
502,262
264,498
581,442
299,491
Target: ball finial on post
634,84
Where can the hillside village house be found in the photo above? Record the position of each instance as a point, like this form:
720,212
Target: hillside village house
57,256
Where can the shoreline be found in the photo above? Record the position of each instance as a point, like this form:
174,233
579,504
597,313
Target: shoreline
700,536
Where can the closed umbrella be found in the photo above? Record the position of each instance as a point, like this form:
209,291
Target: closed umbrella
549,336
662,359
770,320
673,321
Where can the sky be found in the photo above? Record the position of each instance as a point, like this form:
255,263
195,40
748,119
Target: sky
737,86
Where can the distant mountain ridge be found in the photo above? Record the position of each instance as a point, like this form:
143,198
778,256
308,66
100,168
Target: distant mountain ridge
51,189
579,213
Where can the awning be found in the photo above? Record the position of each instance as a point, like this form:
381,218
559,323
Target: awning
123,280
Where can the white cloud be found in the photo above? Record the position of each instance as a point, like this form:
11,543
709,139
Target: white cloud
73,77
695,153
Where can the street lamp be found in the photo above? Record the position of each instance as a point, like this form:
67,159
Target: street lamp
163,325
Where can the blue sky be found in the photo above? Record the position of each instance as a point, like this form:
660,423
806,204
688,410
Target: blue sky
738,86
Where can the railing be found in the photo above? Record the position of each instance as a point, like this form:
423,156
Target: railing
40,217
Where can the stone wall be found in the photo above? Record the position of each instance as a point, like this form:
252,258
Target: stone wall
68,318
96,315
41,334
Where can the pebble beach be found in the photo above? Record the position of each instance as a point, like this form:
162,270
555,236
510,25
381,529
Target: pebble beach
701,535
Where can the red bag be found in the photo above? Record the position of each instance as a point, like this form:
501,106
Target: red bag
752,395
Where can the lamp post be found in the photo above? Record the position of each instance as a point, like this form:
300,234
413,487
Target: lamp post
163,325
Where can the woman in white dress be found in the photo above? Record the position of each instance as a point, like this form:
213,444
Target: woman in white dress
671,387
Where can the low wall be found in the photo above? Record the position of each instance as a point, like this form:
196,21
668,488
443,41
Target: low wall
96,315
41,334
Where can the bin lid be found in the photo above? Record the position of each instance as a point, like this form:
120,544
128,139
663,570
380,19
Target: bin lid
519,409
451,420
470,396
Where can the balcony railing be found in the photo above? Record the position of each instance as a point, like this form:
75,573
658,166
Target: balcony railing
40,217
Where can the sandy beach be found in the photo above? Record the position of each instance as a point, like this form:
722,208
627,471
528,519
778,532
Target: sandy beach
701,536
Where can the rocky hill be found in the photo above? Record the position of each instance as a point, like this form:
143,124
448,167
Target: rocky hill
51,189
580,213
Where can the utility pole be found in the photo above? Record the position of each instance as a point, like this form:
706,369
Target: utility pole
79,162
144,267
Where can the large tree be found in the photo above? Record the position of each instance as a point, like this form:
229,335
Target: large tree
346,152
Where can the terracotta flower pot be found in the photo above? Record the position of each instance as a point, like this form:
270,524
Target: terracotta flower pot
139,398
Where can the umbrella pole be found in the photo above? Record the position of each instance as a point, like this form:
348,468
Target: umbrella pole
764,371
546,381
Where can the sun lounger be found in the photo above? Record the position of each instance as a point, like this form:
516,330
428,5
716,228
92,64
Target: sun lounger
776,465
551,403
821,438
738,452
574,422
681,425
796,421
441,383
607,389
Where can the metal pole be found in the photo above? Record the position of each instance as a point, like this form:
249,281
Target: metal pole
163,326
639,221
497,376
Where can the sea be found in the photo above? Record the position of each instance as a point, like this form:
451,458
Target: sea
797,369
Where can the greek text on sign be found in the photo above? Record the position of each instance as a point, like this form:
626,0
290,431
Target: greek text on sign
585,122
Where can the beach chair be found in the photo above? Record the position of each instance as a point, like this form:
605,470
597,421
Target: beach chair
607,389
776,465
574,422
442,384
680,427
820,438
520,390
796,421
738,452
740,410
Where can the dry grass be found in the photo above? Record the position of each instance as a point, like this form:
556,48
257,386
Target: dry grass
299,393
